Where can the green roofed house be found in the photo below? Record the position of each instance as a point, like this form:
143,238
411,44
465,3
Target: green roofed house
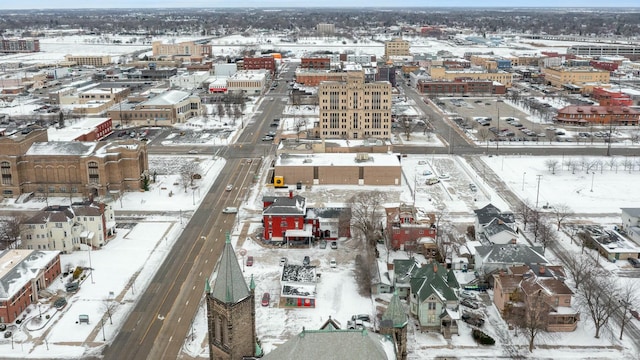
231,316
433,298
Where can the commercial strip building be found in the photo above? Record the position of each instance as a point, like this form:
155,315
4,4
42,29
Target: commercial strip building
572,78
354,109
442,73
461,87
631,52
89,60
189,50
168,108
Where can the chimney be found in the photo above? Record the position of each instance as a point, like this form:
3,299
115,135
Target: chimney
541,269
435,267
290,194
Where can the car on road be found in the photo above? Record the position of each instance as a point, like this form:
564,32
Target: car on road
432,181
229,187
266,299
230,210
284,261
249,260
323,244
635,314
192,152
306,261
267,138
473,187
334,245
274,124
333,262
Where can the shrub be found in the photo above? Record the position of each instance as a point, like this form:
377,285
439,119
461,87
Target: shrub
77,272
482,338
18,321
47,316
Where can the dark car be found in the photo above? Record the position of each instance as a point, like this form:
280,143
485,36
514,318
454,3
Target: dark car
72,286
635,314
306,261
266,299
249,260
469,304
634,262
361,317
472,319
7,334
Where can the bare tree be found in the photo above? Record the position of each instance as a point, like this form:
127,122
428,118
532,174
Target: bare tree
109,306
365,215
561,212
187,172
483,133
579,268
551,164
546,235
535,318
613,163
299,125
523,211
407,126
535,219
10,231
596,297
220,110
627,297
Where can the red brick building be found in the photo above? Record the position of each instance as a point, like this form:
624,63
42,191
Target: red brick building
19,45
406,226
607,97
315,63
267,62
584,115
604,65
22,275
285,219
461,87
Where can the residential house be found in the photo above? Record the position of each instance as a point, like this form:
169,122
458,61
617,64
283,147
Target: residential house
68,228
433,298
402,270
406,225
538,291
285,220
23,273
497,232
490,258
485,216
380,278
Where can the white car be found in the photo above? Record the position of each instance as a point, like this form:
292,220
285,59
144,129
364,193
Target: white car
333,262
229,187
192,152
444,177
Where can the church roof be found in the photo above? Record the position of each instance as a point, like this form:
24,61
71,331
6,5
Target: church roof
395,312
229,286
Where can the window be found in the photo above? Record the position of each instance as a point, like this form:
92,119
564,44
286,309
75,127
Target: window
5,169
94,172
431,306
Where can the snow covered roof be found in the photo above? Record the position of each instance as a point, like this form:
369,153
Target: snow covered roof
489,212
349,159
335,345
72,131
633,212
284,205
18,267
170,97
71,148
511,254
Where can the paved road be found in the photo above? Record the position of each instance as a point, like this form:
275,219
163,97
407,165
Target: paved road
159,324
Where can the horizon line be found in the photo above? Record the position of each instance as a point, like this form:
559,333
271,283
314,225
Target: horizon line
333,7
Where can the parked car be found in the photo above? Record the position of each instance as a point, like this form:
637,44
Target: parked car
267,138
249,260
634,262
472,319
60,303
72,286
427,173
230,210
284,261
334,245
361,317
469,304
444,177
306,261
333,262
467,295
432,181
229,187
266,299
3,327
355,324
635,314
323,244
473,187
192,152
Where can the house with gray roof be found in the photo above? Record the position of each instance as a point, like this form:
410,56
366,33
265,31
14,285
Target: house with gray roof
485,216
497,232
402,271
491,258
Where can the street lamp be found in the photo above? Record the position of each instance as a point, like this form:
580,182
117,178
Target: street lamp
523,174
498,135
593,174
538,192
104,338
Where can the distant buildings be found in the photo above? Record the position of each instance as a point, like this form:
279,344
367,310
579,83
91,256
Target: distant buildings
325,29
22,275
354,109
575,78
89,60
396,48
461,86
187,50
442,73
259,63
168,108
631,52
19,45
407,227
250,82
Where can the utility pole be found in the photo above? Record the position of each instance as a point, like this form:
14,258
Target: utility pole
538,192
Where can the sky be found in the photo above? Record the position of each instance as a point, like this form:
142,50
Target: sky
75,4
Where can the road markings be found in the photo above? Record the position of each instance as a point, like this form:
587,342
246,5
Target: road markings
187,303
179,319
160,317
199,275
194,287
